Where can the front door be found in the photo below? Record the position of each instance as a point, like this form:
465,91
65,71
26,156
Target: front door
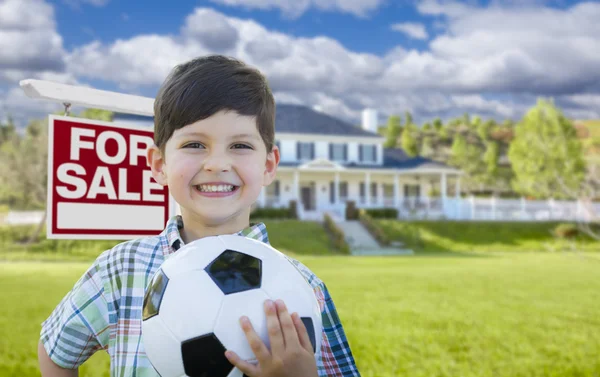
305,194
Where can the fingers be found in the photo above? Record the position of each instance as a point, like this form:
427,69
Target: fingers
274,328
302,333
248,369
290,336
256,344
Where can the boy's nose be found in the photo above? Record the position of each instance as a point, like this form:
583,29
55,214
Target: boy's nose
217,162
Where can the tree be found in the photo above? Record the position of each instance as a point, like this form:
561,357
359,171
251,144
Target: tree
427,127
427,149
490,158
408,141
394,127
546,154
23,174
97,114
408,117
485,128
24,168
437,124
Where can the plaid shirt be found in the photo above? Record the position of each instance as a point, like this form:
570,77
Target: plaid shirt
104,309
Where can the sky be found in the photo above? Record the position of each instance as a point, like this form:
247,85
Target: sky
433,58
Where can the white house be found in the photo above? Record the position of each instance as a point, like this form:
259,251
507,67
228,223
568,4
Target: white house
326,162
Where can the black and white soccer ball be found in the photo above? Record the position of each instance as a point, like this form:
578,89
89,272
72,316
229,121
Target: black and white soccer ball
193,303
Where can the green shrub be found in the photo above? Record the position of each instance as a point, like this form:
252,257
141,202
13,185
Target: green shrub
382,213
373,228
336,234
566,230
293,209
271,213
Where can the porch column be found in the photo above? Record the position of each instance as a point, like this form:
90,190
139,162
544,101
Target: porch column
368,188
296,188
396,190
336,189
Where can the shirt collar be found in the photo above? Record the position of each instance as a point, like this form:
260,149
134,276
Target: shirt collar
256,231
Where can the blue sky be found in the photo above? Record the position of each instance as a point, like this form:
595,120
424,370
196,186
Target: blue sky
443,58
83,23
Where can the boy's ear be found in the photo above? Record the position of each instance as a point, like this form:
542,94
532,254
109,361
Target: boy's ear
271,166
156,162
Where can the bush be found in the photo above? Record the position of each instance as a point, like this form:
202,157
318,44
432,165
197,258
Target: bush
566,230
351,210
293,209
336,234
373,228
271,213
383,213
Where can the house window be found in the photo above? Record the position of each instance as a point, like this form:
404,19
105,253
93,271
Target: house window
343,190
362,192
338,152
342,194
373,190
367,153
413,191
388,190
305,151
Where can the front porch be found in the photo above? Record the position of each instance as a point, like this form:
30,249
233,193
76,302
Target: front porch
321,187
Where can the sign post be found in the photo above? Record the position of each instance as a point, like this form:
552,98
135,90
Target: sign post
99,183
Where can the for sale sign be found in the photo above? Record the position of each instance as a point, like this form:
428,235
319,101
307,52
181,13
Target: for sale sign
99,183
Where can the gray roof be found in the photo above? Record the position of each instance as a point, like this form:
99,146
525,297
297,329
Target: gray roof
304,120
294,119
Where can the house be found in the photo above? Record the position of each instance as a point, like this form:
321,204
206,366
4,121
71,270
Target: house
326,162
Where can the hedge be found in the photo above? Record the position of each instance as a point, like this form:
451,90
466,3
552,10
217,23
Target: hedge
336,234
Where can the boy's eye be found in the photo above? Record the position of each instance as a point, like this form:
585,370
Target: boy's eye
238,146
193,145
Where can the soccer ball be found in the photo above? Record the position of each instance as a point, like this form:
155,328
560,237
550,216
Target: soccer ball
193,303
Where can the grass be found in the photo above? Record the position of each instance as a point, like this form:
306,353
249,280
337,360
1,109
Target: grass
459,236
501,315
289,236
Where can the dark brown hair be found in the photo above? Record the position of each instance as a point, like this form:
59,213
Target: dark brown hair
199,88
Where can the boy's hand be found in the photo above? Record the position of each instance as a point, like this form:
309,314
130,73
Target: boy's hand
291,351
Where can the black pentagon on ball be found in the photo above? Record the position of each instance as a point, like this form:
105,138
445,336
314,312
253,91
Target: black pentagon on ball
310,328
154,295
204,356
235,272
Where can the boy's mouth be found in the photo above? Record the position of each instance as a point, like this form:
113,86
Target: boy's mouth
216,190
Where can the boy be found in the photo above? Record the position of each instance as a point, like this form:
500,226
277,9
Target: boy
214,148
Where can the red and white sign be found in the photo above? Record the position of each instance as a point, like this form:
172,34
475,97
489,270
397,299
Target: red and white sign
99,183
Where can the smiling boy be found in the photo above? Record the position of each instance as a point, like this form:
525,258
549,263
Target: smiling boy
214,149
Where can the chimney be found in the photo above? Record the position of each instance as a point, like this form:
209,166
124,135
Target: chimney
369,120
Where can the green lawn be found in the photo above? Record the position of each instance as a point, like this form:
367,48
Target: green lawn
465,236
500,314
293,237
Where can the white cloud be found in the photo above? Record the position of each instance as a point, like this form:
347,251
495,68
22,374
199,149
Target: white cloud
412,29
492,61
295,8
28,37
78,3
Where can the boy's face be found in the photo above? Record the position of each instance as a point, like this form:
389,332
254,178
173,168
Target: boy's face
215,169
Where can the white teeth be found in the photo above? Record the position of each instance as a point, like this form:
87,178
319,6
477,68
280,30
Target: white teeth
215,188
